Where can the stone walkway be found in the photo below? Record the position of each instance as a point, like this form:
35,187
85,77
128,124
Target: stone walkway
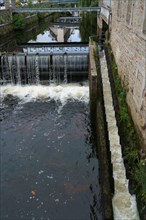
124,204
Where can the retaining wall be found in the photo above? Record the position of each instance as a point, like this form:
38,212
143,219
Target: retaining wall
6,25
5,22
99,127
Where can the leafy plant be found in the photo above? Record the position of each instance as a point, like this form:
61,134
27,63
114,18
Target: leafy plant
30,3
19,22
88,3
40,16
140,176
141,179
131,156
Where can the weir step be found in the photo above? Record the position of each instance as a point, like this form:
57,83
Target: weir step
124,204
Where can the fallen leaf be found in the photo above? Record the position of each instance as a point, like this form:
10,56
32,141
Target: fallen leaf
33,192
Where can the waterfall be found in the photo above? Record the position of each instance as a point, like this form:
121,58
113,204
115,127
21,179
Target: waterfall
5,73
29,68
37,69
54,70
21,68
18,75
13,68
50,69
65,68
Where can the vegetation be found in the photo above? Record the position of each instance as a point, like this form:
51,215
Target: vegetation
19,22
89,3
41,16
134,156
88,25
5,18
30,3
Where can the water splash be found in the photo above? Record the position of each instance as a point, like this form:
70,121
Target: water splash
61,93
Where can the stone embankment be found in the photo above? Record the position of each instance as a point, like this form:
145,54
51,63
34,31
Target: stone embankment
123,203
5,22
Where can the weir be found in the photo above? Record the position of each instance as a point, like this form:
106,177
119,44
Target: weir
55,48
23,68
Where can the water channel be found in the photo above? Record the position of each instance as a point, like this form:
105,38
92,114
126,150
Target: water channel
49,163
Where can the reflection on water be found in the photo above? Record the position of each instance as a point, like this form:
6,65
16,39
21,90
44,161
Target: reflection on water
58,35
47,32
75,36
42,32
49,168
43,37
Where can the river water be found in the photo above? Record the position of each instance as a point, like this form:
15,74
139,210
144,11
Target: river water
49,168
49,163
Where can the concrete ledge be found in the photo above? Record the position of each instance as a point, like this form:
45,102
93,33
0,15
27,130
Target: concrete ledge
98,125
124,205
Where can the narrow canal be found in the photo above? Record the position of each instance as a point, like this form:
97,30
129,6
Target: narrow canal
49,163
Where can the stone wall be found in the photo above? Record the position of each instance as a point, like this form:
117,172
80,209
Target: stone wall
128,41
5,17
5,22
6,26
9,4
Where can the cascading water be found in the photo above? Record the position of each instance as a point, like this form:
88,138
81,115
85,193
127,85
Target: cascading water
65,68
35,68
5,77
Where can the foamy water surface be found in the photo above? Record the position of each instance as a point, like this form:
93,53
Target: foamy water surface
61,93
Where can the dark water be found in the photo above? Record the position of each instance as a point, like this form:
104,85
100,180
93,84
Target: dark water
49,168
49,165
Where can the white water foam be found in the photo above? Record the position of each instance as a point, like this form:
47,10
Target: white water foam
59,93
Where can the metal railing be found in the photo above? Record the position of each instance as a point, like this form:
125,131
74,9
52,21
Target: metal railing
53,10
